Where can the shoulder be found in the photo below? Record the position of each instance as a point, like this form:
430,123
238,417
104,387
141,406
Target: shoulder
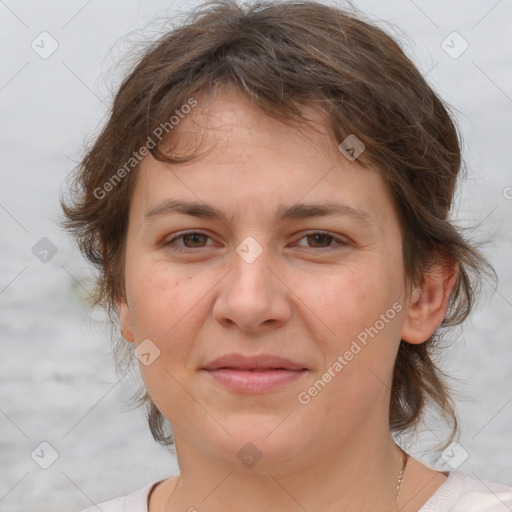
463,493
136,501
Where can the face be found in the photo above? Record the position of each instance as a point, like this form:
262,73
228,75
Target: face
257,271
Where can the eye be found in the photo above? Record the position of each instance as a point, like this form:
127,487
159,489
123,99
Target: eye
197,240
192,240
320,238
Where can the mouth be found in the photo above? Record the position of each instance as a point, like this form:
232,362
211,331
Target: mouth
256,374
262,362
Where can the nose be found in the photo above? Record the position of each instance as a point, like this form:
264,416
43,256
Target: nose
253,296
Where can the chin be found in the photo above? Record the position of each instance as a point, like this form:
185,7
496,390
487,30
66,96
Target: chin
258,446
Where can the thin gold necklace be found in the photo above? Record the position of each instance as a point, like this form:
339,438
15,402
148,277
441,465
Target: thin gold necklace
405,457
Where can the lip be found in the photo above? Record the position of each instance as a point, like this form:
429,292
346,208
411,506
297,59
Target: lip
255,374
259,362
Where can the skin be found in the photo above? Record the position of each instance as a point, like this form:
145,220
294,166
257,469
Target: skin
304,298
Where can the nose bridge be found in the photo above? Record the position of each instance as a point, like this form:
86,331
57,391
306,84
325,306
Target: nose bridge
252,295
251,272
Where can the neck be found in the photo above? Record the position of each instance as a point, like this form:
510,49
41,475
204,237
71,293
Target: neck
358,475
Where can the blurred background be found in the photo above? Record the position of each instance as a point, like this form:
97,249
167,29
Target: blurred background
69,436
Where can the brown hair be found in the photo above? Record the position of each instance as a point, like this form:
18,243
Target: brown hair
285,56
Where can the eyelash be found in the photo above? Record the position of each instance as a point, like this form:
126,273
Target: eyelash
181,249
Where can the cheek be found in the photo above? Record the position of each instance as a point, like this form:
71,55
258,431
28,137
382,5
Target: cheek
353,299
166,312
364,314
165,307
160,297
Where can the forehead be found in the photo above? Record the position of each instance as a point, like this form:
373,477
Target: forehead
252,160
227,119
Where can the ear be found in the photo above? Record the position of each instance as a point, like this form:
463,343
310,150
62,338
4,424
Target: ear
125,320
428,303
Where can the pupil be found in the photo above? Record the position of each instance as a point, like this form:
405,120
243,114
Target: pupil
319,237
194,237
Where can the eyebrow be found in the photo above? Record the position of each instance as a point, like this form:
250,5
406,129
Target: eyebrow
294,212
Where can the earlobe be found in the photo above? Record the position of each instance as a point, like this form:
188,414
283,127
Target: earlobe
125,321
428,304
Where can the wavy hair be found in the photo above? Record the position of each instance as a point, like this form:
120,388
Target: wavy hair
285,56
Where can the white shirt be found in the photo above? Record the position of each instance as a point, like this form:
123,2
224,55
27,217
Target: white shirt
459,493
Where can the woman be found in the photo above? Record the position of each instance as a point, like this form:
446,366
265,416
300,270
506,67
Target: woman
268,208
